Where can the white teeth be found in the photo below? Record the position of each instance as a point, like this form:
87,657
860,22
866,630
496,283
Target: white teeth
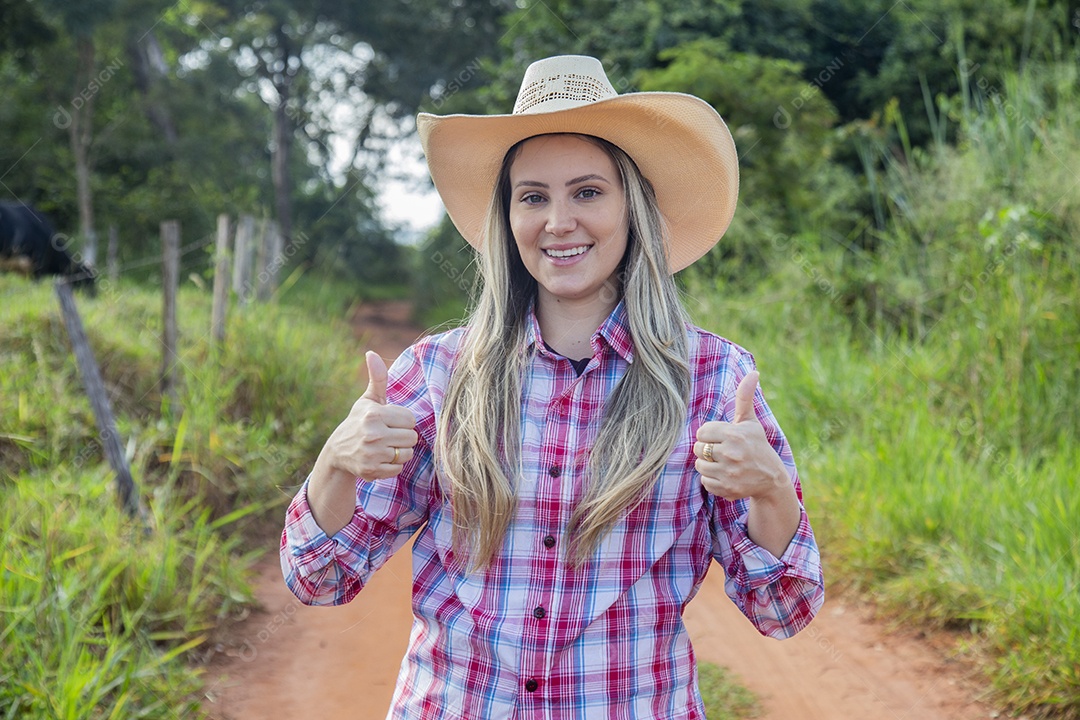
567,253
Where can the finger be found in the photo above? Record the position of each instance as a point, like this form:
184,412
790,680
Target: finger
712,431
699,449
744,398
713,480
399,438
381,472
376,389
717,432
404,455
397,417
387,470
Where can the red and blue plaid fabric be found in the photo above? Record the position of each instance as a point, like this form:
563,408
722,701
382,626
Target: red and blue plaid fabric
531,636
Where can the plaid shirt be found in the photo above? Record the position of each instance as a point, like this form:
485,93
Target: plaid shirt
531,636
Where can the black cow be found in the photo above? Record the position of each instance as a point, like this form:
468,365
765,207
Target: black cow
29,243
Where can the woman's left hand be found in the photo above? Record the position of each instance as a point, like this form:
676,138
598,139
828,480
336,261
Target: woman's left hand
743,464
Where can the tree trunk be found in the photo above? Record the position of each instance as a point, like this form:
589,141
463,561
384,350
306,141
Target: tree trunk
81,133
282,78
148,69
283,195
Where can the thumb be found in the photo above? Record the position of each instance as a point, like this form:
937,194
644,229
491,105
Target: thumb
744,398
376,369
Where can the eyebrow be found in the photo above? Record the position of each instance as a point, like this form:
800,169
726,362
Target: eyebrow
574,181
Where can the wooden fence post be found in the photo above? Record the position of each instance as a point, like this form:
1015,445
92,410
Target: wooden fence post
99,400
245,237
221,281
269,260
112,249
277,255
170,280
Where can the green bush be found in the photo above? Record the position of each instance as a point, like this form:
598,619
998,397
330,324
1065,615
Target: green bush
98,612
932,410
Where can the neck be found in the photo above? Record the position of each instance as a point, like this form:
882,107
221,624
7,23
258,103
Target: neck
568,325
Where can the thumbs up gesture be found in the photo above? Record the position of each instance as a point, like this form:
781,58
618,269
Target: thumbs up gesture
376,439
735,459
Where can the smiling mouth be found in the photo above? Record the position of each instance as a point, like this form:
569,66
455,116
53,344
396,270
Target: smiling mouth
570,252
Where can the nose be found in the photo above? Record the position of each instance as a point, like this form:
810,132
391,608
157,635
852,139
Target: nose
561,220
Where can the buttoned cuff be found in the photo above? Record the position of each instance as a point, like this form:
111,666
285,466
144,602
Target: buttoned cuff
311,552
800,560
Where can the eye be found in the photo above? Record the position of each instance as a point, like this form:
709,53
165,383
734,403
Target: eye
532,198
588,193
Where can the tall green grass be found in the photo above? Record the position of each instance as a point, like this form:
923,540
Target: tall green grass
930,390
102,616
928,383
95,614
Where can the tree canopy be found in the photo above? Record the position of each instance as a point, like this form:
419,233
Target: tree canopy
118,112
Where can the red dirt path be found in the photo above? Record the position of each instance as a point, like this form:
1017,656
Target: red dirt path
287,660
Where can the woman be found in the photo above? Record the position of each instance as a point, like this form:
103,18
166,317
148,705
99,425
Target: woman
573,459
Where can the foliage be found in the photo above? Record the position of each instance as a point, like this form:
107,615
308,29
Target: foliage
444,276
184,99
724,698
936,429
96,614
994,203
907,176
758,97
99,615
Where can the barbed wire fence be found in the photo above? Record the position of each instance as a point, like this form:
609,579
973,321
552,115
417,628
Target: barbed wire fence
256,259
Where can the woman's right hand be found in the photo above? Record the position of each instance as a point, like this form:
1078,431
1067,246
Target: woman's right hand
374,442
376,439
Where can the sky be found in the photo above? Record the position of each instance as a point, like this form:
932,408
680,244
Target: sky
406,196
406,199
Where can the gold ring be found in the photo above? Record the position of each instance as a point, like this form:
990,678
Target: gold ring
706,452
394,461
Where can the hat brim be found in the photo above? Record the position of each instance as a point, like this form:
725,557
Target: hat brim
679,142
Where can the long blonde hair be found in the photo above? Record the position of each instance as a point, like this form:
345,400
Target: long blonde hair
478,442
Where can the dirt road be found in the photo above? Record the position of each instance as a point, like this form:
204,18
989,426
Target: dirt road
288,660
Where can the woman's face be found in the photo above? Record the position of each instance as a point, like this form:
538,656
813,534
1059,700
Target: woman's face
568,216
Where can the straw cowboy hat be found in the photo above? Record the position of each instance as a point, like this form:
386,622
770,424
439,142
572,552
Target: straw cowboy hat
678,141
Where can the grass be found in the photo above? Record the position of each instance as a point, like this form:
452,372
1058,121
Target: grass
928,387
724,697
937,436
96,614
940,473
102,616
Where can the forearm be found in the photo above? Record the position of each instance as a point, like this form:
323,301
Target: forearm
331,495
774,519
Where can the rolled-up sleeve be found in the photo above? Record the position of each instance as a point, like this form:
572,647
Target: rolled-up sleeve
323,570
781,595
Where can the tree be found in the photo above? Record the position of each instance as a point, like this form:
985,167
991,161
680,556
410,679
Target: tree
81,20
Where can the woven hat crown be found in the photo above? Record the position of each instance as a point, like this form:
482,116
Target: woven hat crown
561,83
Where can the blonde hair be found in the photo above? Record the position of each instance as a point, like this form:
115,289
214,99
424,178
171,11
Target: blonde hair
478,440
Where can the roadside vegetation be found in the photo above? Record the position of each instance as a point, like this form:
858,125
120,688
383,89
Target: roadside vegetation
904,263
105,616
929,389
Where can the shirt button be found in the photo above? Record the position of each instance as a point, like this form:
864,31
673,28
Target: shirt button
539,613
531,685
549,542
555,471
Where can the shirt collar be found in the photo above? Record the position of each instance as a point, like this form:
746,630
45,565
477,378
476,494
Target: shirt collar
614,331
